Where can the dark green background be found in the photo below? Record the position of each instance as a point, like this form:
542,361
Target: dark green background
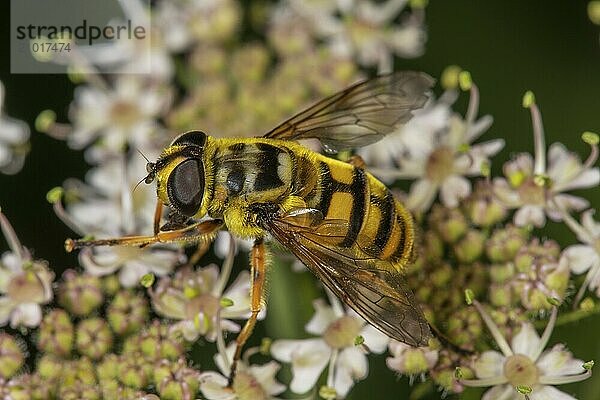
549,47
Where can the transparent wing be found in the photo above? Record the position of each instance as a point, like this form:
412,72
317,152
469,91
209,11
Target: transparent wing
361,114
371,287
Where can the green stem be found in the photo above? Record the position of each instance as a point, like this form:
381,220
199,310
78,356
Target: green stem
570,316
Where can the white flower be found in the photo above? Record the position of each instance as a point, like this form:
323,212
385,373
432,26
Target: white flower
364,30
199,300
524,366
131,262
109,207
25,284
183,23
537,188
410,360
586,256
251,382
414,139
436,147
124,114
335,348
539,194
14,141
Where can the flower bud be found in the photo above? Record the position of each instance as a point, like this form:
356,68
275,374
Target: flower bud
134,370
483,207
175,380
127,312
465,327
94,338
56,334
80,294
470,247
108,368
504,243
11,356
450,223
79,391
158,342
110,284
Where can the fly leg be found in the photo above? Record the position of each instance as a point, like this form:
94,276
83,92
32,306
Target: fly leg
258,264
357,161
197,232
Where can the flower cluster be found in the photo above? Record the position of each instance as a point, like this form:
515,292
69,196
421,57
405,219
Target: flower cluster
132,323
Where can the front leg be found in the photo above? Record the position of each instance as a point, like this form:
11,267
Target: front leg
258,264
197,232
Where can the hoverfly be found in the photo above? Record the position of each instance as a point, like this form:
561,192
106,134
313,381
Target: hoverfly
334,216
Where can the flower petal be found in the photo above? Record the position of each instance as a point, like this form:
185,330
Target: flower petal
265,375
526,342
421,195
530,214
549,393
351,366
454,189
308,357
559,362
27,314
324,315
214,386
580,258
375,340
503,392
490,364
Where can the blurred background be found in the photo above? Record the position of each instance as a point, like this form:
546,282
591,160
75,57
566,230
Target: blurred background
549,47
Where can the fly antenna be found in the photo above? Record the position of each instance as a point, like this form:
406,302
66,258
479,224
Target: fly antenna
143,155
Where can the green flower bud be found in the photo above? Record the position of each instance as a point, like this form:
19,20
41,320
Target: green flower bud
432,247
94,338
465,327
108,368
451,224
134,371
80,294
504,243
175,381
49,367
500,295
483,207
78,371
79,391
500,273
158,342
11,356
56,333
470,247
37,388
127,312
15,389
110,285
441,275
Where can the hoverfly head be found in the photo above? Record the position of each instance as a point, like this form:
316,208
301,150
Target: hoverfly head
179,173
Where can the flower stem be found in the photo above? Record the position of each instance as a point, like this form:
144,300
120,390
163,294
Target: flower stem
226,268
546,335
539,140
571,316
493,328
11,238
563,379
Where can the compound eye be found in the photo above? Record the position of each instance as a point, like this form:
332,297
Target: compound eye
186,187
196,138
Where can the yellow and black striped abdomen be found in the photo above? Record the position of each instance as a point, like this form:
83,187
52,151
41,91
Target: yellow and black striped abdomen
378,225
